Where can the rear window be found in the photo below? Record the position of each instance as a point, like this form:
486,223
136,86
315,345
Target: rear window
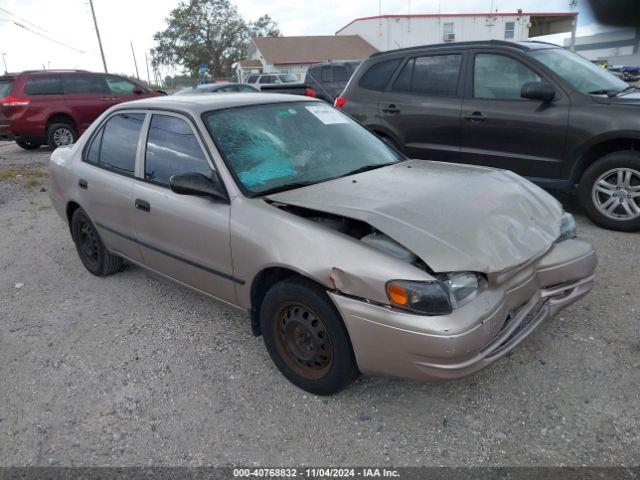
378,76
44,85
435,75
84,84
115,145
339,74
5,87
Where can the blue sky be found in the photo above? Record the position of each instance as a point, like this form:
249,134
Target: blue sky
121,21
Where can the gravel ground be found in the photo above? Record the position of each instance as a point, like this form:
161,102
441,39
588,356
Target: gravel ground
135,370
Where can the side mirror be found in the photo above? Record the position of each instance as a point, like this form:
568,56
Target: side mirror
538,91
198,185
138,90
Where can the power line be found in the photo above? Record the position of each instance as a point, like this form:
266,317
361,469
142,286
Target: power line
22,25
26,21
48,38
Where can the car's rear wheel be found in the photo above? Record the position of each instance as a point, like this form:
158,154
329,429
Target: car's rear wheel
93,254
28,145
306,337
609,191
61,135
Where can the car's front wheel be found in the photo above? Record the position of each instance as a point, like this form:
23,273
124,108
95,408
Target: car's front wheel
61,135
27,145
93,254
306,338
609,191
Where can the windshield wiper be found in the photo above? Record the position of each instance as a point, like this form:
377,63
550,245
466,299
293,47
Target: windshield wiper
284,188
627,89
607,92
366,168
612,93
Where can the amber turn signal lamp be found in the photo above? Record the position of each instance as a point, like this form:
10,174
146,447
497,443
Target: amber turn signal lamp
397,294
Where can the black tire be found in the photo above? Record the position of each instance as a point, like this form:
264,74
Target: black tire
329,337
91,250
57,131
617,160
28,145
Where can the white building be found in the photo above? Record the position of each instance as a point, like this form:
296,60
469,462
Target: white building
388,32
618,47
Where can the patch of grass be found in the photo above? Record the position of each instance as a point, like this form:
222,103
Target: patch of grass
23,175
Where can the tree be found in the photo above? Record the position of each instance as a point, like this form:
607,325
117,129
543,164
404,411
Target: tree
264,27
209,32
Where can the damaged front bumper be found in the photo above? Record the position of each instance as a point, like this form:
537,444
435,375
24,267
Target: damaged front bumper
390,342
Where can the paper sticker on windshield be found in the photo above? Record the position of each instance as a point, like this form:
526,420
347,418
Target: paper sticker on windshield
327,115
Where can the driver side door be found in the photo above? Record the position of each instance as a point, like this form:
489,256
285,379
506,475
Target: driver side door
501,129
184,237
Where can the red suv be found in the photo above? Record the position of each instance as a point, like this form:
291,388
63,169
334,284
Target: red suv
55,107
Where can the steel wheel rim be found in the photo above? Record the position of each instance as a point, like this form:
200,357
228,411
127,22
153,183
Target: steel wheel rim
303,341
616,194
88,243
62,137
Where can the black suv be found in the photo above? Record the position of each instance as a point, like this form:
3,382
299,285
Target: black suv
531,107
329,79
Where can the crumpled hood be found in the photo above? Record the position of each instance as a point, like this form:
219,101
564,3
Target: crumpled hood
454,217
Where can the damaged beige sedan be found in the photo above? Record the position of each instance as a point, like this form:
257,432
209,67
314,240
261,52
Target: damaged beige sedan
348,257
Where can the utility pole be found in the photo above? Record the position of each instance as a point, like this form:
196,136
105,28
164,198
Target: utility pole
4,59
95,23
134,60
146,60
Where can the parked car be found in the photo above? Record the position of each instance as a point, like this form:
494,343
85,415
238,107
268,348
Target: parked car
268,78
531,107
218,88
347,256
628,74
329,79
55,107
298,88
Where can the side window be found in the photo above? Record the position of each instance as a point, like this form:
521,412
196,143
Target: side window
172,148
499,77
114,146
403,82
93,155
252,79
266,79
120,85
244,88
339,74
325,74
437,75
44,85
378,75
84,84
509,30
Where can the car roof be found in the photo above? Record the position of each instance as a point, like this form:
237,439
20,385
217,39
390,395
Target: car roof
199,103
524,46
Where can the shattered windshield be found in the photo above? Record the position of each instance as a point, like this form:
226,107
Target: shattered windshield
285,145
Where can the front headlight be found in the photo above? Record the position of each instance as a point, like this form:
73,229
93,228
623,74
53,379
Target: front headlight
567,227
437,297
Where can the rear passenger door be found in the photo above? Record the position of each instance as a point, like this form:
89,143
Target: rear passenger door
87,97
106,180
502,129
422,106
182,236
